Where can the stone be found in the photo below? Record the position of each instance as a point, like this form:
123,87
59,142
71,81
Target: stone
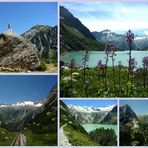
17,52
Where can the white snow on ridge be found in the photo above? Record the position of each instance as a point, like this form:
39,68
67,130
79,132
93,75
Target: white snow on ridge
141,37
106,108
90,109
25,103
3,105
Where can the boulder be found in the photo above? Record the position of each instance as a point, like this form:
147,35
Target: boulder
17,52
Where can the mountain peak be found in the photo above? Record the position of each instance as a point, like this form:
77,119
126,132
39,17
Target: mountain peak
126,114
90,109
68,18
106,30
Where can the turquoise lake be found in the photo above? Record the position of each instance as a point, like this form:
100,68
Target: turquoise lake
91,127
95,56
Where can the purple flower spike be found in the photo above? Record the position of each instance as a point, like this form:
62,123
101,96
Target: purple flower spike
133,64
129,36
109,49
145,62
71,64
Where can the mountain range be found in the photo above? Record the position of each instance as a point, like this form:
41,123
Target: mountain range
94,115
45,39
38,117
72,117
118,40
23,103
76,36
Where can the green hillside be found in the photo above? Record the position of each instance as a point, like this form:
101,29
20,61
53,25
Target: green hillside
42,130
71,39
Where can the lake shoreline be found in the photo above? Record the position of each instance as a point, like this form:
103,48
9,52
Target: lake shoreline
95,56
91,127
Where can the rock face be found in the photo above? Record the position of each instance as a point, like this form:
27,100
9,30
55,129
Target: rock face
45,39
127,115
17,52
46,117
111,117
105,36
88,115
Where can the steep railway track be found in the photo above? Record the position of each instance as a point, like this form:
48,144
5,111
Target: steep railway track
19,140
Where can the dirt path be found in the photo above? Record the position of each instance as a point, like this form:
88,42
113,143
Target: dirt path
64,139
19,140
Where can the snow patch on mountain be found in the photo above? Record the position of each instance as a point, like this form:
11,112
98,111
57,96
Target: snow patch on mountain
90,109
24,103
141,37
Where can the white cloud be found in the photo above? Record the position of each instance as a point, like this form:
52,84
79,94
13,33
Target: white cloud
145,32
115,16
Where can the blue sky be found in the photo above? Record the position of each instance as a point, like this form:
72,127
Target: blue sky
14,88
116,16
24,15
94,103
138,106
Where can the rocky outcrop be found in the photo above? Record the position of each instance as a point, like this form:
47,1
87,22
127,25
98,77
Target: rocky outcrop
127,115
111,117
17,52
45,39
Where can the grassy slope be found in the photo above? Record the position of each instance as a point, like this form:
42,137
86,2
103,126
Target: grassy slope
51,67
34,139
77,138
76,133
74,40
6,137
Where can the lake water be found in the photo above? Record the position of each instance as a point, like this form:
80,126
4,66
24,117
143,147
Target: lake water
95,56
91,127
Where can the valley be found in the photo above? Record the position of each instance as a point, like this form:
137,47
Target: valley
79,123
29,123
100,63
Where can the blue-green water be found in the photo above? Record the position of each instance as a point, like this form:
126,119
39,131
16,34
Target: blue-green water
91,127
95,56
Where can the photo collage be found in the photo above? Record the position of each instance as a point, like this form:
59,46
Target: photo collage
74,73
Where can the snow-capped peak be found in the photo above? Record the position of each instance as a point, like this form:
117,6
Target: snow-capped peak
24,103
90,109
141,37
27,103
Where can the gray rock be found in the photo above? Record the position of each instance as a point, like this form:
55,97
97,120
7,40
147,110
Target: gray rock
17,52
